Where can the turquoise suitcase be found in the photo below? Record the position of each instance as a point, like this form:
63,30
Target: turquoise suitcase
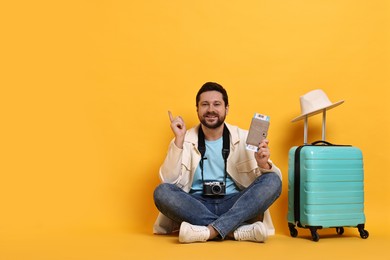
325,188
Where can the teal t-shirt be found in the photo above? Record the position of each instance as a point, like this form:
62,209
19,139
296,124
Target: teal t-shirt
213,168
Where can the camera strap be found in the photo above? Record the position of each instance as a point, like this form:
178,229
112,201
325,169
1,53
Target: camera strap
225,148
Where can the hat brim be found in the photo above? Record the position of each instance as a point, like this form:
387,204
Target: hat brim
319,110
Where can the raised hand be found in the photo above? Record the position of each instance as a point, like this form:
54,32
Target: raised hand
179,129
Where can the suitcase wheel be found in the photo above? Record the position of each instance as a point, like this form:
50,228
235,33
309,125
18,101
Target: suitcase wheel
340,230
363,233
314,234
293,230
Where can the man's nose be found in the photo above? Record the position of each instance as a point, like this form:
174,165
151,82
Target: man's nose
211,108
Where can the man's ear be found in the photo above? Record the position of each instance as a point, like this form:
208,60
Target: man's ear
227,109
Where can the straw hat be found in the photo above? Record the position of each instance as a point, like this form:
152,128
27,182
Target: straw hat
315,102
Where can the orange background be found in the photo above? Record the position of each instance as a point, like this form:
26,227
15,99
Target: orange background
86,86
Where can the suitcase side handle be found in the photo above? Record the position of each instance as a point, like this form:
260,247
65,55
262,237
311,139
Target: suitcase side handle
322,142
328,144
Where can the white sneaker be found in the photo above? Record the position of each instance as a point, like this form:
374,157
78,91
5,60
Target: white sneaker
254,232
191,233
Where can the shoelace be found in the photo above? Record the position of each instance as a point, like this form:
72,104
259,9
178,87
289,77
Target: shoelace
199,232
246,234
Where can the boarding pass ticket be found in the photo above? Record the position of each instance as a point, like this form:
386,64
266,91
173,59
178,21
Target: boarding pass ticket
258,131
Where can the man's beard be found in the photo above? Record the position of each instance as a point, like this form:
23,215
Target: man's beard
218,123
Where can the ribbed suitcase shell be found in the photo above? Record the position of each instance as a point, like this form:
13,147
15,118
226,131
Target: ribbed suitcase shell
331,186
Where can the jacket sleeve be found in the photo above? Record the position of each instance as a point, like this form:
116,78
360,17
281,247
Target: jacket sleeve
170,170
274,169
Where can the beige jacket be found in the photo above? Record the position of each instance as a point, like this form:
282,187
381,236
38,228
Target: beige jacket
180,165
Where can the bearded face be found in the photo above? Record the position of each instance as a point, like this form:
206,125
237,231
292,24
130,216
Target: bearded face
211,109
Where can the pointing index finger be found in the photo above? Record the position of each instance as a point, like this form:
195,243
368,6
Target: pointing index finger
170,115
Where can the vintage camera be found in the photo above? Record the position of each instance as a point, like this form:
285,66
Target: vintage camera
214,188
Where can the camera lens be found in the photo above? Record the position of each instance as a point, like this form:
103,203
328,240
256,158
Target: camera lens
216,189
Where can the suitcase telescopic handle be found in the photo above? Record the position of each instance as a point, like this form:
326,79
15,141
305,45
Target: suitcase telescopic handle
305,129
